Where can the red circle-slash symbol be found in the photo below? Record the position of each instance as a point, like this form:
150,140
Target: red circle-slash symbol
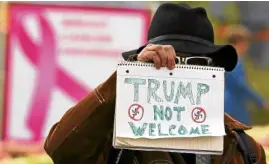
136,112
198,115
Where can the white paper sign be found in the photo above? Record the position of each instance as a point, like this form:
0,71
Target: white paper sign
185,102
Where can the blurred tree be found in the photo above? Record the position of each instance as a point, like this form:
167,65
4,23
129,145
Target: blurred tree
3,16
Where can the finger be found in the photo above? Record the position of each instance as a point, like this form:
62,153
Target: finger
147,56
171,50
163,55
149,45
161,52
141,56
157,61
152,47
151,56
170,62
171,56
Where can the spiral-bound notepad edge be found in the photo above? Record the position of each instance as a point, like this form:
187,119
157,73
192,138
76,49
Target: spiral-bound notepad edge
182,66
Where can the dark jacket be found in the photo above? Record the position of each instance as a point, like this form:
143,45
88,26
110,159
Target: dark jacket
82,136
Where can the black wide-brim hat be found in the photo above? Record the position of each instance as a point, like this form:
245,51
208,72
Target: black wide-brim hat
189,31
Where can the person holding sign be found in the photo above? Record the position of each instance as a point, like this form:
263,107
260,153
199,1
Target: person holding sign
84,134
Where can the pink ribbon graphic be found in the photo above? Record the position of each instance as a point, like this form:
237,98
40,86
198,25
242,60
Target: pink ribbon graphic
49,75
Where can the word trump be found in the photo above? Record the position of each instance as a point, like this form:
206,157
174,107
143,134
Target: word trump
176,90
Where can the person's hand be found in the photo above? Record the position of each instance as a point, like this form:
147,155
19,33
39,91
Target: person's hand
161,55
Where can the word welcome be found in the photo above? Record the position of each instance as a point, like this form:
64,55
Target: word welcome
173,130
175,93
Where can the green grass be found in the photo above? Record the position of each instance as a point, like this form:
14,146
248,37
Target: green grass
258,80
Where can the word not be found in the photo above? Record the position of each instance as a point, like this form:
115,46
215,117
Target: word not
174,94
173,130
167,113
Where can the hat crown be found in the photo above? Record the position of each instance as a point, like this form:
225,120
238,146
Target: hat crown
171,19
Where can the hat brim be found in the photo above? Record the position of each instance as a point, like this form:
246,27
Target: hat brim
223,55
